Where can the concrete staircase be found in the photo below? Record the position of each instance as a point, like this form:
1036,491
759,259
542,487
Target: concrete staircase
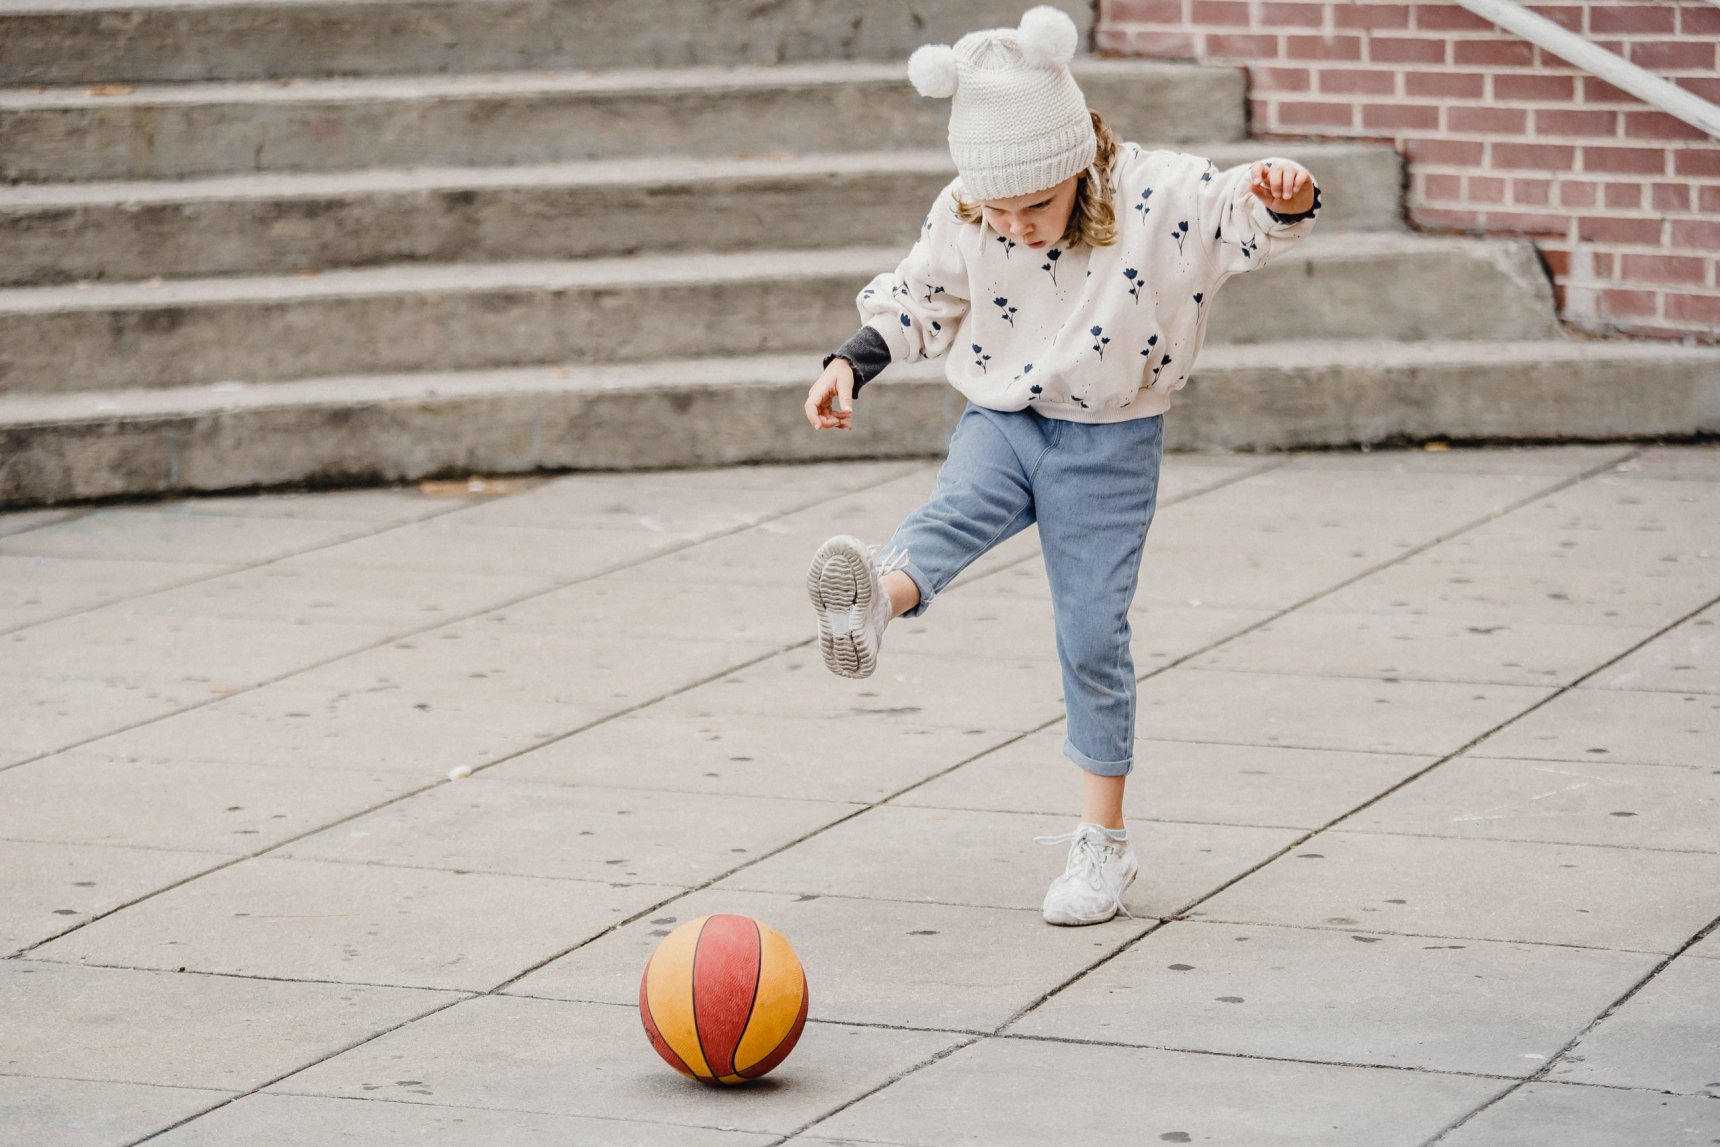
298,242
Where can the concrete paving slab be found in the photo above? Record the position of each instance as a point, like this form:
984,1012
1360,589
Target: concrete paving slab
987,859
881,962
47,889
1626,899
124,1026
120,644
563,555
1707,948
1423,648
189,806
1502,591
1598,724
605,670
833,478
1346,713
416,730
1481,1007
23,521
45,715
306,591
1177,781
1594,802
1548,461
267,1120
1666,1037
34,590
994,1094
523,829
661,608
355,923
910,688
504,1053
1673,463
179,532
676,510
1683,660
1590,1117
383,505
680,745
80,1113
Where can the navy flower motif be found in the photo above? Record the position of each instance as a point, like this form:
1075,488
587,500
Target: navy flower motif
980,358
1164,362
1051,264
1179,233
931,290
906,321
1008,314
1008,244
1142,208
1035,390
1199,297
1100,341
1152,341
1250,246
1135,283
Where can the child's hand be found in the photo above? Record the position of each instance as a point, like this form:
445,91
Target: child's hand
830,402
1284,186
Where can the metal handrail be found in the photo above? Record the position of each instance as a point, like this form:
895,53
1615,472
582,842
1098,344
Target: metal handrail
1609,66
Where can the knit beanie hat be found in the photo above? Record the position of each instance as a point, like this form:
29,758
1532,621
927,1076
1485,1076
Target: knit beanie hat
1018,122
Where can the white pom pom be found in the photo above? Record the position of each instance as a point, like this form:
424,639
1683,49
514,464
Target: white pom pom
932,70
1047,37
459,772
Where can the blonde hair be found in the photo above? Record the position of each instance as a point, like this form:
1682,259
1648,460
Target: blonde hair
1093,220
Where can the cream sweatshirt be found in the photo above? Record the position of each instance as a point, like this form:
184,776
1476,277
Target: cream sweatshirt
1092,334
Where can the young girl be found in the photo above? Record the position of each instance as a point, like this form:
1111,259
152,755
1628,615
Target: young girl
1068,277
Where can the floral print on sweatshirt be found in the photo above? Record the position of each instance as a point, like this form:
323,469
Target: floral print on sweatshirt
1183,228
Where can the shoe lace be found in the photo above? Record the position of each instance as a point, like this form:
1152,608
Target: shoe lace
1086,862
890,561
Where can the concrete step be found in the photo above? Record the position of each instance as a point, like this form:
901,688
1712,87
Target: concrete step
282,224
203,129
470,316
44,42
708,412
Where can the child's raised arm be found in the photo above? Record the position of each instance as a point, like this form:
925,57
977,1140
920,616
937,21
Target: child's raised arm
1251,212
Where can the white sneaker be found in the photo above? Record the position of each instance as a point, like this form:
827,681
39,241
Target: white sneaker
851,604
1090,891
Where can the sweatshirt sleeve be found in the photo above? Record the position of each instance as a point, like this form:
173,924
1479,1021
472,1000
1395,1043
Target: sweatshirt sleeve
1240,230
918,307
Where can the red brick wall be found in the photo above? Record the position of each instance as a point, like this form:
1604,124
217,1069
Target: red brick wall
1499,137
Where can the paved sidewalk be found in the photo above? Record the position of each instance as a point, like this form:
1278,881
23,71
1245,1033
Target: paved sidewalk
1428,811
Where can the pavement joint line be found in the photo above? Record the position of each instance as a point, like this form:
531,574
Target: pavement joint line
441,623
1552,843
226,571
1348,930
901,1075
1596,760
1539,1075
231,1099
255,977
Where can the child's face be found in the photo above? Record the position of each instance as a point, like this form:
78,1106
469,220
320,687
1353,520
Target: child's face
1037,220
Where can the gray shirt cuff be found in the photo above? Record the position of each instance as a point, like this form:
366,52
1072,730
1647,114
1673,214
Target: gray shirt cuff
867,352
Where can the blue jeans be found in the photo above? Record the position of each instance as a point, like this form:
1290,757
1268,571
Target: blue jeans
1092,488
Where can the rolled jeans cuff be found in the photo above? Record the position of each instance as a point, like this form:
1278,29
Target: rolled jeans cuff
1120,768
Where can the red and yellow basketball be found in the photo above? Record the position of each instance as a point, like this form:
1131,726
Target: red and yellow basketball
723,999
